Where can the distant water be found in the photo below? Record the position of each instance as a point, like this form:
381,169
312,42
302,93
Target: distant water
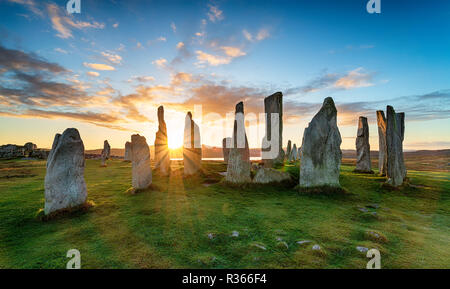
217,159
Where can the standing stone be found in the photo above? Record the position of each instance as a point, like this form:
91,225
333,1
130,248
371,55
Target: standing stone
395,131
106,152
192,148
239,166
226,145
272,143
363,164
141,169
382,149
127,156
162,157
321,149
64,180
299,153
288,149
293,156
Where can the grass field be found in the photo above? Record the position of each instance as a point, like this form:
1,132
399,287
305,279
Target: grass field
171,226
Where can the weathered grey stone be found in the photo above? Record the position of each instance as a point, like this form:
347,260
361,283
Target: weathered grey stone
382,149
269,175
293,156
288,149
162,156
272,143
363,163
395,130
140,158
64,180
106,153
321,152
226,145
127,156
238,169
192,149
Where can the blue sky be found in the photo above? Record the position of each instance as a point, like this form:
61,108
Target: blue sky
106,70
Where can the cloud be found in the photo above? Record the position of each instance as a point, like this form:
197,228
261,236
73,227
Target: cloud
111,57
173,26
159,39
60,50
11,59
63,23
160,62
98,66
215,60
212,60
93,73
233,52
260,35
142,79
34,87
115,25
31,5
180,45
355,78
182,77
215,14
334,81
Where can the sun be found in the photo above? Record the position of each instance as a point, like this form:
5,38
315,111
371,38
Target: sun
175,138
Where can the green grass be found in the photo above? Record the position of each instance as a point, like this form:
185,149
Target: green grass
168,227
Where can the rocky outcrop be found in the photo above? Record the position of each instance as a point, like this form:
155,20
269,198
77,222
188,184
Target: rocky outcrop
64,180
321,152
162,156
382,149
272,143
238,169
363,164
127,156
192,148
269,175
140,158
106,153
226,145
395,132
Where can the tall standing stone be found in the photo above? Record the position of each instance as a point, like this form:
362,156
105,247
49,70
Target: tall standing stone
363,164
238,169
272,143
288,149
192,148
141,169
127,156
321,149
226,145
106,153
162,157
293,155
395,131
64,180
382,149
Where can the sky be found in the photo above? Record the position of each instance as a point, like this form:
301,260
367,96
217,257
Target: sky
107,69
